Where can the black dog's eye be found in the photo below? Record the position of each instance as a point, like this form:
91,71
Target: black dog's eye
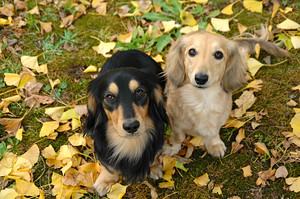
219,55
192,52
139,92
110,98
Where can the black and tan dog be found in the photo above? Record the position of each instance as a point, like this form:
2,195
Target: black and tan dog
127,118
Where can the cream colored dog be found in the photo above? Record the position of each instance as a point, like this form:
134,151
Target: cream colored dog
202,70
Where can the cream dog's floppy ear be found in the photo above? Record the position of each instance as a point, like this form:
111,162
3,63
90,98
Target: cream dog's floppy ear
236,68
175,63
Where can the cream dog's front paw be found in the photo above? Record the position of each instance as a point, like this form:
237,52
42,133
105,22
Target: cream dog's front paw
216,148
171,150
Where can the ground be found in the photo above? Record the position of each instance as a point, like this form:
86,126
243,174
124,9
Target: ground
68,66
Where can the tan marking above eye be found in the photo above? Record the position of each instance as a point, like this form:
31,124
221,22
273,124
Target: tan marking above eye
113,88
133,85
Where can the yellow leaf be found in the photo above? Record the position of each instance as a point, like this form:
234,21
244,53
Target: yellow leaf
296,110
253,6
295,184
48,128
197,141
169,184
11,125
228,9
30,62
217,189
296,88
281,172
253,65
257,50
11,79
67,21
202,180
158,58
168,26
66,151
286,10
220,24
291,103
32,154
64,127
26,188
154,32
54,83
240,136
188,29
117,191
168,165
295,123
255,84
234,123
19,134
6,102
244,102
242,28
70,114
126,38
34,10
103,48
24,79
90,69
200,1
247,172
77,139
275,9
295,41
187,18
49,152
76,123
288,24
261,148
55,112
8,193
42,69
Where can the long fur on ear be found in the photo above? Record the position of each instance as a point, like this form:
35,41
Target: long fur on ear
156,107
174,64
236,68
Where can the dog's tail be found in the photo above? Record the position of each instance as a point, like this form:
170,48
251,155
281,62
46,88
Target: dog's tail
271,48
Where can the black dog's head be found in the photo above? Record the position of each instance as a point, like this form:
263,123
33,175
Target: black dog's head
127,120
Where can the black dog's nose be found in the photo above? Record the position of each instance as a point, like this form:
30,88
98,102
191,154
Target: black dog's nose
131,126
201,78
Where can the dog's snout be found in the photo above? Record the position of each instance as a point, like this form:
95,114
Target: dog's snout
201,78
131,126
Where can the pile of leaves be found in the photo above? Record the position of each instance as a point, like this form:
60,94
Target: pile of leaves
151,27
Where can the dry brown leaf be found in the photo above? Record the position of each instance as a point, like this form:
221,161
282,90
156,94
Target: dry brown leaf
101,9
153,192
34,10
235,147
291,103
254,125
240,136
32,88
234,123
67,21
11,125
261,148
36,100
281,172
264,176
247,172
7,10
21,5
46,26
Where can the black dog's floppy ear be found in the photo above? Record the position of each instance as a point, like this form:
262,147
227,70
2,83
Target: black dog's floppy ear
175,63
236,68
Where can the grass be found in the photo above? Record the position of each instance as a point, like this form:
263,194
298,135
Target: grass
68,67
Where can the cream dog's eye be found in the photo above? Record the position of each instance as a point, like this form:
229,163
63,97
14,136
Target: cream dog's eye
192,52
219,55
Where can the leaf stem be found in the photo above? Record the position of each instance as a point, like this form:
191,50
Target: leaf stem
276,63
96,38
8,91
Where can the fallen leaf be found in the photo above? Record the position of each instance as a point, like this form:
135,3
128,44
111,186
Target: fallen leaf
69,114
42,69
8,193
26,188
7,10
7,101
217,189
153,192
240,136
253,6
34,10
76,123
197,142
295,184
67,21
255,84
8,21
200,1
234,123
253,66
36,100
19,133
261,148
32,154
81,110
90,69
30,61
228,9
154,32
126,38
295,123
158,58
11,125
49,152
21,5
281,172
11,79
188,29
77,139
64,127
291,103
264,176
117,191
46,26
247,172
235,147
257,50
286,10
275,9
288,24
202,180
32,88
245,101
296,88
295,41
254,125
180,165
48,128
54,83
220,24
55,112
103,48
169,26
187,18
168,185
168,165
241,28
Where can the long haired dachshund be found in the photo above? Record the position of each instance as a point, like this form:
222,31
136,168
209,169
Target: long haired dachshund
202,70
126,117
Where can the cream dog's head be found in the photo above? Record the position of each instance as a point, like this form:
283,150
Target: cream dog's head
204,59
